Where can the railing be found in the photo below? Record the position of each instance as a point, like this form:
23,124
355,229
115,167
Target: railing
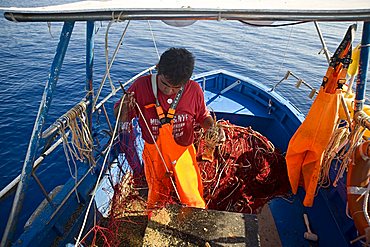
299,82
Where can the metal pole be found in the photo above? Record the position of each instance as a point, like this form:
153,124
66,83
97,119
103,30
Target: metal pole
89,68
36,133
107,117
364,65
324,47
119,44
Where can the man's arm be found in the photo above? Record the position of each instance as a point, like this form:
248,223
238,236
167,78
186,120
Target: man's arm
127,103
207,123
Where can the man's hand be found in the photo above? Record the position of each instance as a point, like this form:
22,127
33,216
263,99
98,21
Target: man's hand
213,137
128,104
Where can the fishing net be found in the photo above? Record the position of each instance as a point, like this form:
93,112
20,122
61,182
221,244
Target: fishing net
244,173
127,219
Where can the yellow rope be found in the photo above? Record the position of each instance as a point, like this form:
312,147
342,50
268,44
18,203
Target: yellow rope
337,141
346,155
80,146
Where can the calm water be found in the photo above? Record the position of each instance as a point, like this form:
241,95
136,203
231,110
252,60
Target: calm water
27,50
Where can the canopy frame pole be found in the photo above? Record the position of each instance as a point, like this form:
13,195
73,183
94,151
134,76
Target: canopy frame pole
90,33
363,68
36,133
324,47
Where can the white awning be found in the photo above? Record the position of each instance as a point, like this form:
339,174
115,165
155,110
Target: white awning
284,10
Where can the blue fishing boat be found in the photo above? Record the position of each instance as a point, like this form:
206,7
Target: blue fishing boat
89,135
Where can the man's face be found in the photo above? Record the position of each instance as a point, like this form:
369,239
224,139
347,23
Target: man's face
166,87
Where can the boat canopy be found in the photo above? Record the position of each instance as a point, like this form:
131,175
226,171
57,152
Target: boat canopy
260,10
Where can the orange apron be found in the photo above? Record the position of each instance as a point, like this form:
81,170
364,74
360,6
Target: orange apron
180,162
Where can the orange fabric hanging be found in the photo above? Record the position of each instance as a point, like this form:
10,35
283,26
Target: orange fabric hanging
307,146
180,161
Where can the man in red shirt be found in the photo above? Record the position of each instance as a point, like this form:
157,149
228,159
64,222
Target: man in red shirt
168,105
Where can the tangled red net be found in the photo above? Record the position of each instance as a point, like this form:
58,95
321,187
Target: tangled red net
246,172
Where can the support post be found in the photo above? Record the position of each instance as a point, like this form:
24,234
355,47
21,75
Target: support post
89,69
364,65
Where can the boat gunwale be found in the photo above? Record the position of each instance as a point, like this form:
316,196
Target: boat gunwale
260,87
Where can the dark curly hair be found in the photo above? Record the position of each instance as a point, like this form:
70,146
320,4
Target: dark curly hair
177,65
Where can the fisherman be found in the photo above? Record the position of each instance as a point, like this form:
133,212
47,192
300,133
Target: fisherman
171,104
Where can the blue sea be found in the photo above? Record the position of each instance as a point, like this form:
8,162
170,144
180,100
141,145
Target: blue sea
27,49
